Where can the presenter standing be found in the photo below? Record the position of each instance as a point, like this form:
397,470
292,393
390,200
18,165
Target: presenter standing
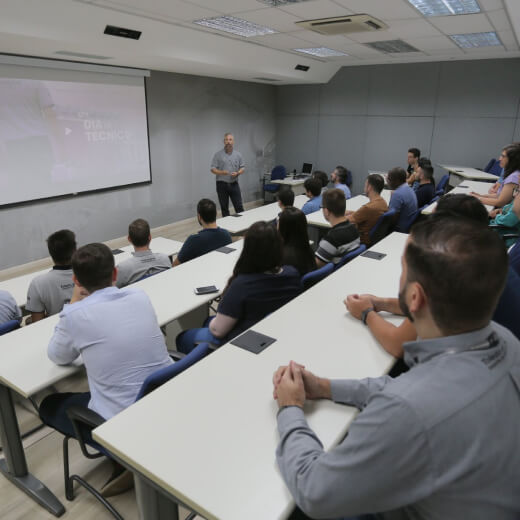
227,165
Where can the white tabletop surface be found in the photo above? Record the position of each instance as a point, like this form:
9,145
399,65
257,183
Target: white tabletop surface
268,212
464,187
469,173
288,181
353,204
24,365
19,285
221,412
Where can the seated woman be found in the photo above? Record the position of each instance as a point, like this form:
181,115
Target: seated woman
260,285
297,252
510,161
509,221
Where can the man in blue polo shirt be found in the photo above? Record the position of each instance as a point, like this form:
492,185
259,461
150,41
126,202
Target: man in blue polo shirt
403,198
211,237
313,191
339,178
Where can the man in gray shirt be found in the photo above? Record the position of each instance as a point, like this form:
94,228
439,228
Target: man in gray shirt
227,165
8,308
49,292
143,262
441,441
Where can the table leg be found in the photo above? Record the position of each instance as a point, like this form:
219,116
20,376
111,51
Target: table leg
14,466
153,505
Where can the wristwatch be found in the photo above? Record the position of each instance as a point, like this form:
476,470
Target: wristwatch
364,314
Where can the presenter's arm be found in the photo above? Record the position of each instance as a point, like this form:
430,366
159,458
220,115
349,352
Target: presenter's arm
216,171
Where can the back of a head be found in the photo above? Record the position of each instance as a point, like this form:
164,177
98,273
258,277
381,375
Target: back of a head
313,186
322,177
427,170
423,162
61,246
262,250
334,201
513,158
286,197
93,266
462,205
376,181
292,225
396,177
461,266
415,152
207,210
139,232
342,174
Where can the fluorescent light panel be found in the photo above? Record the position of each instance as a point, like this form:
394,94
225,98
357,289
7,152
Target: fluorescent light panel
234,25
470,41
392,46
276,3
321,52
446,7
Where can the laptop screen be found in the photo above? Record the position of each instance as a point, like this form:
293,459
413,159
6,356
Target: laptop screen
307,168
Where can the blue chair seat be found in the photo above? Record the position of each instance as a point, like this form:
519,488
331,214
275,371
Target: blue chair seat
312,278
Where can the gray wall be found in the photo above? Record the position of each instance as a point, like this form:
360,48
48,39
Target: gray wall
188,116
367,117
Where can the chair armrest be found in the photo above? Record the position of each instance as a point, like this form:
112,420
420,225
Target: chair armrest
85,416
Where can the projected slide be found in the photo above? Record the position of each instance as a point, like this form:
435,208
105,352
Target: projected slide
58,138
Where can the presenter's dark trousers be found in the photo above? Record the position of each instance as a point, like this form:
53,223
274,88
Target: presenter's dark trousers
225,190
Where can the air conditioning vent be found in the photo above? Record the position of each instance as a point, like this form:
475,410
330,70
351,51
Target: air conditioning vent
344,24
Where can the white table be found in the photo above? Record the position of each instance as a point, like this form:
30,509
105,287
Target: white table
353,204
19,285
268,212
459,174
26,369
465,188
295,184
207,438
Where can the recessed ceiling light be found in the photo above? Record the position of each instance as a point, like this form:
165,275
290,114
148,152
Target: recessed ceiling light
392,46
469,41
446,7
321,52
234,25
275,3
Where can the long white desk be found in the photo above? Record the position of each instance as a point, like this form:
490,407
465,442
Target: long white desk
268,212
207,438
466,188
459,174
19,285
295,184
26,369
353,204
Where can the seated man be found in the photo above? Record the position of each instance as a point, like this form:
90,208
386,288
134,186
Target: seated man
8,308
323,178
343,237
414,154
49,292
209,238
339,178
403,198
143,261
426,188
115,332
424,445
285,198
313,191
367,215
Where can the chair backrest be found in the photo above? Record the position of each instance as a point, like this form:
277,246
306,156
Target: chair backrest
152,272
413,218
345,259
514,257
161,376
506,312
496,169
384,226
278,173
309,279
435,199
489,165
348,182
8,326
441,187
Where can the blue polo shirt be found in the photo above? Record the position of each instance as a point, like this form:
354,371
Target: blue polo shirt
312,205
203,242
345,189
404,201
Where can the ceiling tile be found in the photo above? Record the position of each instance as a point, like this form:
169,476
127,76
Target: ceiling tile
490,5
373,36
462,24
413,29
229,6
383,9
274,18
509,40
435,43
316,9
500,20
280,41
321,40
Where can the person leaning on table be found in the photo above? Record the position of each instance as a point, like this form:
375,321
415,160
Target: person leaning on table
440,441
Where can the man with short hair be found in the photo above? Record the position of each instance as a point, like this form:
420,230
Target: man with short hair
143,261
342,237
285,198
115,332
49,292
426,188
209,238
322,177
339,178
403,199
313,191
227,165
414,154
424,445
9,310
367,215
